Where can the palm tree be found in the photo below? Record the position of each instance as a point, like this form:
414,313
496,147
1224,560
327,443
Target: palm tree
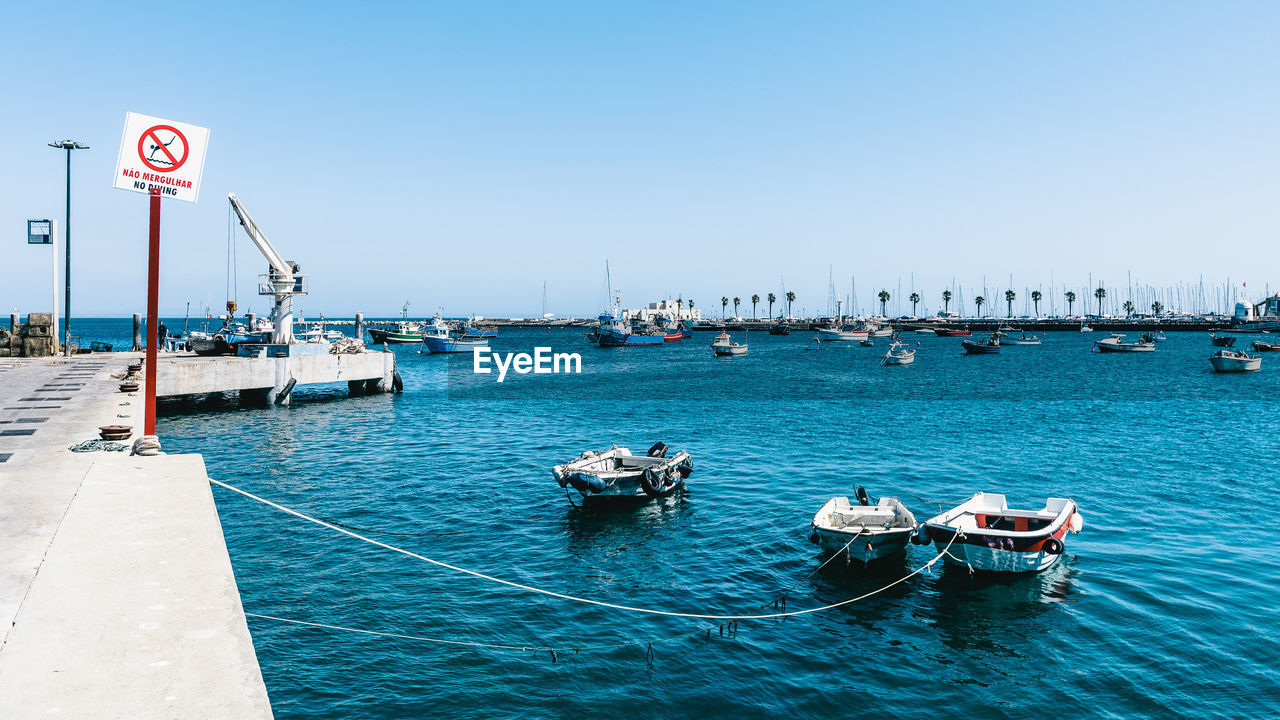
1100,293
791,297
1071,301
724,303
1009,295
915,298
946,301
979,301
754,300
771,298
691,308
884,298
1128,307
679,307
1035,300
736,302
1157,307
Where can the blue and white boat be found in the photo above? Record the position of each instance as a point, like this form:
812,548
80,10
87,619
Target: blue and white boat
440,338
619,333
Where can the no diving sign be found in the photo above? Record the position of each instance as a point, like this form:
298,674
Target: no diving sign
164,154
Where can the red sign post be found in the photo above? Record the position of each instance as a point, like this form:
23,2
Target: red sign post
153,312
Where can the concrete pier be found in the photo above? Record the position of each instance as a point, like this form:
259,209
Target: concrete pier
272,377
117,597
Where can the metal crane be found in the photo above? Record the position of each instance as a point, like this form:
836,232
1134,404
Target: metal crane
282,280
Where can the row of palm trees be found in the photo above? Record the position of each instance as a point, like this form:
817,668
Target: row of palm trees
1009,296
790,297
883,296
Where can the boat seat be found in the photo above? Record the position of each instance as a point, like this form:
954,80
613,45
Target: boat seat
869,517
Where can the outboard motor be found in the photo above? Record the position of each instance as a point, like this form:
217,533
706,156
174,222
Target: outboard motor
658,450
862,496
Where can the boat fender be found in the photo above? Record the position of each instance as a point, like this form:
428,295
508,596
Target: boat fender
862,496
397,383
1053,546
813,536
685,468
651,483
584,484
1076,523
659,449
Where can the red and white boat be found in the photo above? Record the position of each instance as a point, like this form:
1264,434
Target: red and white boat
1260,346
989,536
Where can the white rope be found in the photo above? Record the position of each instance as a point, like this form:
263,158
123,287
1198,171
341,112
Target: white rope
588,601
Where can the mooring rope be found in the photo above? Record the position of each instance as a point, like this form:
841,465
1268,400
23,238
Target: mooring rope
573,598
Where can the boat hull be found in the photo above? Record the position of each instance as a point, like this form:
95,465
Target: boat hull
454,345
986,559
616,339
943,332
381,337
1110,347
899,360
866,546
1226,365
973,348
729,350
597,486
846,335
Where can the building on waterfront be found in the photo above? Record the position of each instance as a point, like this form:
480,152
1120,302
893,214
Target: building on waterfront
667,309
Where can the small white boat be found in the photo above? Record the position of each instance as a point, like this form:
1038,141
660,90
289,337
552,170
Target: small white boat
1085,328
1021,338
1116,343
864,531
723,346
615,474
1235,361
990,536
925,331
899,355
844,332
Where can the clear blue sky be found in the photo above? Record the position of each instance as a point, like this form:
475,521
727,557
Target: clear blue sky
459,155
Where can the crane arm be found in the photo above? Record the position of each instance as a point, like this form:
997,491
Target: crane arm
281,266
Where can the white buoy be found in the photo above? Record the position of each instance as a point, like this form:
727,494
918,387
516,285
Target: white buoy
1076,523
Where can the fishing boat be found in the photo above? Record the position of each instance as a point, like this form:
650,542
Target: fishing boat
1116,343
1159,336
617,475
952,332
1222,340
405,332
898,355
1021,338
472,329
867,343
1085,328
723,346
989,346
864,531
1235,361
780,328
1260,346
984,534
440,338
844,332
227,338
620,334
879,331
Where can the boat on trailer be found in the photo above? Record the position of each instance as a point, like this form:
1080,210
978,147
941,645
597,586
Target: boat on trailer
985,534
1235,361
863,531
616,475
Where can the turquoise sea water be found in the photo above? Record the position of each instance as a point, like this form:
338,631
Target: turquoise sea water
1162,607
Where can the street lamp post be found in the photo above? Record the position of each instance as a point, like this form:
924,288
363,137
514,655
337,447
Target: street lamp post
67,145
